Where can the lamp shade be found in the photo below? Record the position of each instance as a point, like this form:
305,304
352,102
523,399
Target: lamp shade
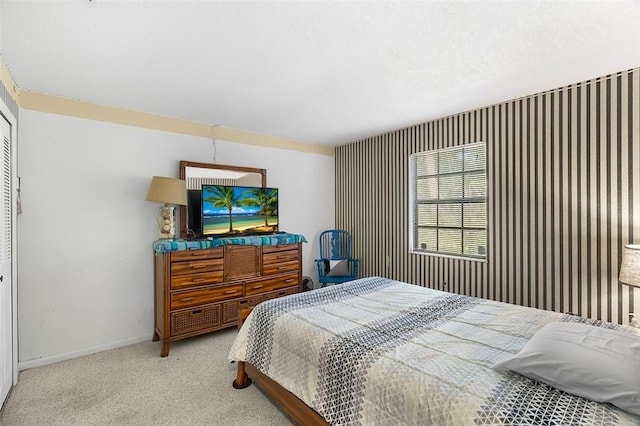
630,268
167,190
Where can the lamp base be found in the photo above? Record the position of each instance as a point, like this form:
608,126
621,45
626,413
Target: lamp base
167,222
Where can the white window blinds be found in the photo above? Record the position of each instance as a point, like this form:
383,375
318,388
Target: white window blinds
449,201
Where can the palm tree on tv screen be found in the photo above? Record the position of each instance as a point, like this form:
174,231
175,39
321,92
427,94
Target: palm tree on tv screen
266,199
224,196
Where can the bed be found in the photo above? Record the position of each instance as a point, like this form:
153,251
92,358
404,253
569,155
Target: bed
384,352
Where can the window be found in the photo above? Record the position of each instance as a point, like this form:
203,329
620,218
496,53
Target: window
448,196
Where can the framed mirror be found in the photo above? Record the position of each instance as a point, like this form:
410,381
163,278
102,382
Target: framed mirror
196,174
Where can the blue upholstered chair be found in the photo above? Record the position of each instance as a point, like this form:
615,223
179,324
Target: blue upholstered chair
336,265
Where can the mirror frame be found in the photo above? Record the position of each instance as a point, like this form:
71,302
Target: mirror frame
183,167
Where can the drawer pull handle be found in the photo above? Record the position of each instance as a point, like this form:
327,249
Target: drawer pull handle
282,257
290,280
198,280
255,287
198,266
282,293
230,292
187,299
195,253
282,267
243,302
195,313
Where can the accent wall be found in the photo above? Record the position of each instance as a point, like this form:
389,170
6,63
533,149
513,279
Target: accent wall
563,199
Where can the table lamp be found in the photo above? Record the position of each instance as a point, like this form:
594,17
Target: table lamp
630,271
168,191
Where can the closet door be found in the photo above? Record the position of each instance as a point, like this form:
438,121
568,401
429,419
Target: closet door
6,315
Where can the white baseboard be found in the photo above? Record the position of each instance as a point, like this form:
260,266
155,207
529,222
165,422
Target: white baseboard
23,365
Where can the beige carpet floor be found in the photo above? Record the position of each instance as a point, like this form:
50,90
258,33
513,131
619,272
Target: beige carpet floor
133,385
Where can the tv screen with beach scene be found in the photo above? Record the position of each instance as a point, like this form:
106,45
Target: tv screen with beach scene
238,210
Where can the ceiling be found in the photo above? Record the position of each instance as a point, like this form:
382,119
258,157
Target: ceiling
320,72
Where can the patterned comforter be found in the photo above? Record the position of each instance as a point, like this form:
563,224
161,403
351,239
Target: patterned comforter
382,352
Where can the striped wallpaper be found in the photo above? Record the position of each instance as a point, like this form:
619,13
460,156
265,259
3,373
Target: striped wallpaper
247,179
197,182
563,198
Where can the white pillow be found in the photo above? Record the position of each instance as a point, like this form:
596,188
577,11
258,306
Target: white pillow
339,268
599,364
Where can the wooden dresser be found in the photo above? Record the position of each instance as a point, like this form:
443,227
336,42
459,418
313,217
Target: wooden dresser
202,290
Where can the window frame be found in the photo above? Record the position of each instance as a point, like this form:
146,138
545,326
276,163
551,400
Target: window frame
413,205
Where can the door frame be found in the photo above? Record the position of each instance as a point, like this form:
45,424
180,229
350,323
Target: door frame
8,115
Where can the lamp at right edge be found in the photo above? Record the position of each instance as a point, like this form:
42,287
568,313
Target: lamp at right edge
630,271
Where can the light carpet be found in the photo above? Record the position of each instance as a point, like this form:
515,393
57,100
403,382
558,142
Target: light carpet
133,385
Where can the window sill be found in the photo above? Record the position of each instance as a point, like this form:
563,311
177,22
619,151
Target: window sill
450,256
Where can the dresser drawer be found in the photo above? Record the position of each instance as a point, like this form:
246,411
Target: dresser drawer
185,299
211,253
271,284
196,266
279,257
281,267
195,320
284,247
183,281
280,293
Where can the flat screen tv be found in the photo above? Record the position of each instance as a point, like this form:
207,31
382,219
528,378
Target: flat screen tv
238,210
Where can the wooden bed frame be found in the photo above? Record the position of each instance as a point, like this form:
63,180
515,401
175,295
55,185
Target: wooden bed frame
294,407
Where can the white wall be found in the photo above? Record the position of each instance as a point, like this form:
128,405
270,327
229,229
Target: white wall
1,19
85,279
